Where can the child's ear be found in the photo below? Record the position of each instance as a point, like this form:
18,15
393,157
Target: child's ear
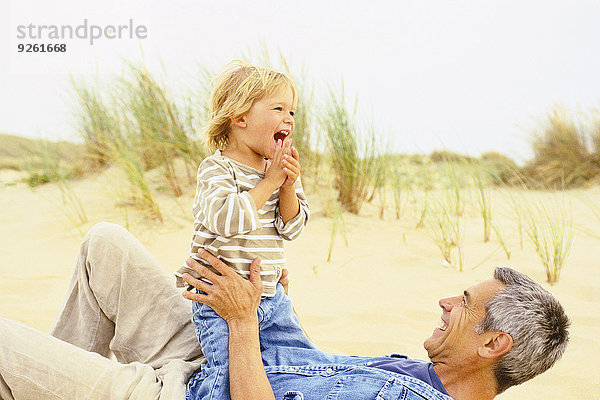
240,122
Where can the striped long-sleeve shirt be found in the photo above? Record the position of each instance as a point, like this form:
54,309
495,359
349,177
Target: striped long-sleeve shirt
228,225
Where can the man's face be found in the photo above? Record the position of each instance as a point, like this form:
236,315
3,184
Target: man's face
455,342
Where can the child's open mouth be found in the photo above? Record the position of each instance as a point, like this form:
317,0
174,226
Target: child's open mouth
281,135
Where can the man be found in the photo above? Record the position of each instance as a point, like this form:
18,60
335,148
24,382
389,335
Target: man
497,334
121,302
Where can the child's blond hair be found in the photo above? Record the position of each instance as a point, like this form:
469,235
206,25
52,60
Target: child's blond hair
234,92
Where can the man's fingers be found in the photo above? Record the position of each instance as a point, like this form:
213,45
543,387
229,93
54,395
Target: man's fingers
255,274
284,279
199,297
197,283
284,275
201,269
212,260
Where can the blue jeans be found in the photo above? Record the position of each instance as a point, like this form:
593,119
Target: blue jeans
279,328
295,367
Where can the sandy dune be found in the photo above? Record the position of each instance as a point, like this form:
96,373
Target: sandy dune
378,295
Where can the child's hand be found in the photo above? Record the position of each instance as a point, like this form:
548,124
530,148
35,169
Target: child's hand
291,167
275,172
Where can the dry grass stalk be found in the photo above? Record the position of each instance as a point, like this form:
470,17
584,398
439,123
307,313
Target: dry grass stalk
399,188
336,216
352,157
445,226
484,202
562,158
550,229
156,124
500,236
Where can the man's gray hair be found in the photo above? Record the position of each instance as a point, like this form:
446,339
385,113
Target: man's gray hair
535,320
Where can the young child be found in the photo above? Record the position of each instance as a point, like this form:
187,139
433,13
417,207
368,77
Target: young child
249,199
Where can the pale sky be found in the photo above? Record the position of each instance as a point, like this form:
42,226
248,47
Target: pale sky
470,76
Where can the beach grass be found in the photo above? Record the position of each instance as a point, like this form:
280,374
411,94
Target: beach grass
562,154
484,202
550,229
400,188
352,154
154,121
445,222
137,124
501,238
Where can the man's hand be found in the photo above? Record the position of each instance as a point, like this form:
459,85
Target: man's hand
285,280
230,295
236,301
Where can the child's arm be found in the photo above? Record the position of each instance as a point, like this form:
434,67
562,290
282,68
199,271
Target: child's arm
218,206
293,206
274,177
288,203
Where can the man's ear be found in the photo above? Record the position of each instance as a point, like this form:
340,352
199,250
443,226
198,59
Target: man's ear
496,344
240,122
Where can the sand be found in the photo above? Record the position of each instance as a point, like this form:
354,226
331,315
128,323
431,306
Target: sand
377,295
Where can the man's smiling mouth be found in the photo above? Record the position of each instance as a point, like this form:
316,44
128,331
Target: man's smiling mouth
442,325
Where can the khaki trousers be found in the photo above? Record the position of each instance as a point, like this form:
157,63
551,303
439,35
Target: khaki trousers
120,302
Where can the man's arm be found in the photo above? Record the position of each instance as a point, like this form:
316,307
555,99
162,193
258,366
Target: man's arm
247,378
236,301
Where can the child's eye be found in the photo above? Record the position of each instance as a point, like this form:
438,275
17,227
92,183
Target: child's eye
292,113
278,108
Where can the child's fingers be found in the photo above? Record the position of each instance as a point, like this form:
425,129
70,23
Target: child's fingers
287,142
278,152
295,153
293,166
287,145
292,175
292,161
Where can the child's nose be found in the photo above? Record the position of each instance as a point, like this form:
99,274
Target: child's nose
290,120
